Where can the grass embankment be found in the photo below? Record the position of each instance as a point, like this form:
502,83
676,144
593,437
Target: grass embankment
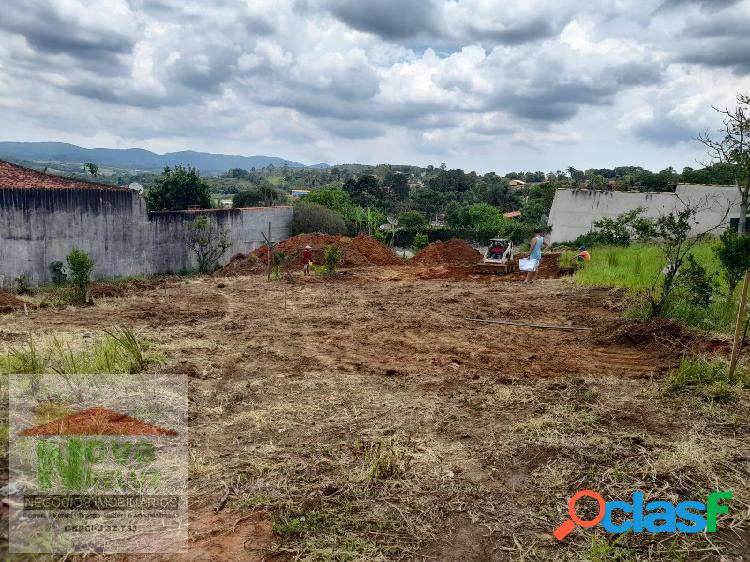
637,269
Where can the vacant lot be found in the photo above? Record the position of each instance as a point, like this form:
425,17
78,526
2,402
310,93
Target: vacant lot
362,417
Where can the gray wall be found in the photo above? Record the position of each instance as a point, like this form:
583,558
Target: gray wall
574,210
39,226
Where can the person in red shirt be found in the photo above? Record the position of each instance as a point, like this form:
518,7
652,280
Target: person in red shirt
306,260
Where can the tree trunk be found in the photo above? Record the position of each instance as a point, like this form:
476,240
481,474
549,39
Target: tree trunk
744,196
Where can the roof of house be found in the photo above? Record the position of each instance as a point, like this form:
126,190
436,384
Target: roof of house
15,176
512,214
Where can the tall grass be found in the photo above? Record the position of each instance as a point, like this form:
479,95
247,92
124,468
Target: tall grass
637,268
709,378
118,351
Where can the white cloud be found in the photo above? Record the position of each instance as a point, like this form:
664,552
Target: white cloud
544,83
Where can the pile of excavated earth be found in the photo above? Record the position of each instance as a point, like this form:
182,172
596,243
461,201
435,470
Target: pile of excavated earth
362,250
452,252
9,303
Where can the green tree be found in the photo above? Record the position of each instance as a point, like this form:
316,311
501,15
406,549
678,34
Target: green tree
178,188
334,198
457,215
427,201
733,252
270,194
484,217
247,198
397,185
92,168
412,220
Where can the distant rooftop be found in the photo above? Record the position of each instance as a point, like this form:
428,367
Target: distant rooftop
15,176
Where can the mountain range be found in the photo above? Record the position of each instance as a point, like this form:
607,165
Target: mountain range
140,159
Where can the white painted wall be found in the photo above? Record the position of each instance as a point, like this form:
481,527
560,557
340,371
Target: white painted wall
574,211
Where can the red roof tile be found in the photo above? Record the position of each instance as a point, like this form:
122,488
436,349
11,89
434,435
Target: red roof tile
14,176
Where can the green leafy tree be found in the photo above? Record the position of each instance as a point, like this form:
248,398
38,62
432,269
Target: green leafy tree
733,252
428,201
412,220
484,217
247,198
457,215
270,194
334,198
91,168
397,185
178,188
80,265
452,180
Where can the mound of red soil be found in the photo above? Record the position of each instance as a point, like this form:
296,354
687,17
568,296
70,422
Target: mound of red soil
363,250
241,265
9,303
453,252
293,247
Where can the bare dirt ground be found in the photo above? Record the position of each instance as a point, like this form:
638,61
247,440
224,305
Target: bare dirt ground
362,417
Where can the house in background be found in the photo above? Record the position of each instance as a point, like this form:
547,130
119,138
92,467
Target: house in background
298,193
516,184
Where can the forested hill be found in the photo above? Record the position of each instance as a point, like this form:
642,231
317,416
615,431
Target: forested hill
137,158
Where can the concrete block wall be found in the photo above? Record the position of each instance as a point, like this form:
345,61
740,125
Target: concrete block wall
574,211
39,226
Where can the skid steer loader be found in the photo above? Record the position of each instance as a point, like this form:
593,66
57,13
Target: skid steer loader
498,260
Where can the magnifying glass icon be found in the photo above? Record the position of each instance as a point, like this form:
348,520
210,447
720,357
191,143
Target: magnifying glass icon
569,524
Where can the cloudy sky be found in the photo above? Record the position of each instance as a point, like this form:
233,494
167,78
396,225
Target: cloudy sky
478,84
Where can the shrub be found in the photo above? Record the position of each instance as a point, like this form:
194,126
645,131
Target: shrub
278,260
733,252
695,282
80,266
208,242
331,258
420,241
620,230
59,277
22,284
311,217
